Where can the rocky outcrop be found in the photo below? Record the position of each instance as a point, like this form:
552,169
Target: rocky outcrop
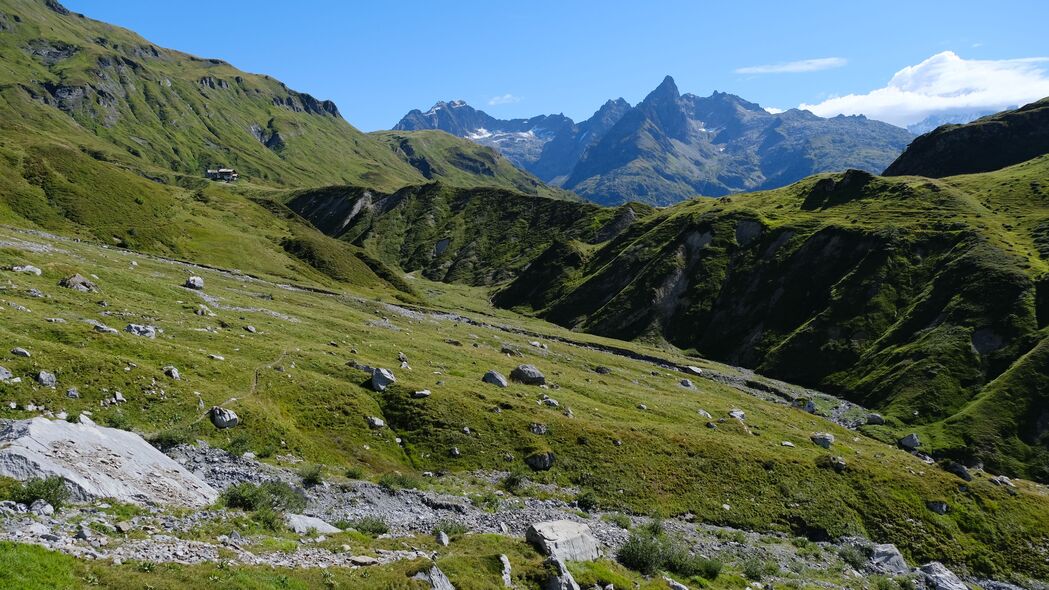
938,577
435,578
98,462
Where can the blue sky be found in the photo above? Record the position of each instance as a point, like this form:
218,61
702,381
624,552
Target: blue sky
378,60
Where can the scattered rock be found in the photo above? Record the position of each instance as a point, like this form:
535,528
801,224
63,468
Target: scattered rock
172,372
442,538
693,370
509,350
537,428
540,461
73,393
250,329
454,452
528,375
737,414
887,559
937,506
47,379
705,414
303,524
41,508
223,417
787,443
435,578
375,423
141,330
495,378
910,442
687,383
381,379
938,577
560,578
104,329
564,540
26,268
19,351
194,282
421,394
823,439
78,283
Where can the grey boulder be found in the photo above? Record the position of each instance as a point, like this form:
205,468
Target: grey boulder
938,577
886,558
194,282
823,439
381,379
528,374
910,442
141,330
435,578
303,524
564,540
495,378
223,417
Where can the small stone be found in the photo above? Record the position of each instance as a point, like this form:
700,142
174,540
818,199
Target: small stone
823,439
693,370
73,393
194,282
141,330
787,443
172,372
19,351
421,394
937,506
642,407
705,414
737,414
687,383
540,461
442,538
223,418
601,370
375,423
536,428
250,329
454,452
381,379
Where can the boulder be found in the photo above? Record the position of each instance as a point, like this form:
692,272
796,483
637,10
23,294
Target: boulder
194,282
887,559
172,372
540,461
5,374
19,351
223,417
674,584
823,439
47,379
528,374
78,283
737,414
957,469
98,462
693,370
507,580
495,378
686,383
423,393
564,540
303,524
27,268
938,577
910,442
875,419
602,370
442,538
141,330
435,578
381,379
937,506
375,422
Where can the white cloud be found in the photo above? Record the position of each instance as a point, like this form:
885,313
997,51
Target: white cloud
795,67
504,99
944,84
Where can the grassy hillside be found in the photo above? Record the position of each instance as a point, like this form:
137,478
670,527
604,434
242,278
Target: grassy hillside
290,384
986,144
460,162
477,236
909,295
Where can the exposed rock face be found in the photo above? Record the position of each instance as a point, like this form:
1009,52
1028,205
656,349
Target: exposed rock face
528,374
564,540
98,462
886,558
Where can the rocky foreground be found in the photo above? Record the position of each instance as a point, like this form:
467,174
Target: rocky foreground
125,469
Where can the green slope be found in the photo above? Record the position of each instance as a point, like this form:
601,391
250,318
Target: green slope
460,162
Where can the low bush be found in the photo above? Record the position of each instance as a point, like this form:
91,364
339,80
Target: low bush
650,550
451,528
399,481
52,490
273,495
369,525
311,474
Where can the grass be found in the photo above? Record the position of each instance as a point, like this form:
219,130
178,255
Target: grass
295,394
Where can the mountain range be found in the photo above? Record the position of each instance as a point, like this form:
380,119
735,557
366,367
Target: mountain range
673,146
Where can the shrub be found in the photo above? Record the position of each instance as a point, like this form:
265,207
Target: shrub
169,439
450,528
853,556
269,518
756,569
487,501
354,473
619,519
586,501
369,525
273,495
311,474
680,561
52,490
642,553
514,481
399,481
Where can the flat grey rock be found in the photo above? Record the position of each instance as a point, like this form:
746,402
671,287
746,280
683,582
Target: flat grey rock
564,540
